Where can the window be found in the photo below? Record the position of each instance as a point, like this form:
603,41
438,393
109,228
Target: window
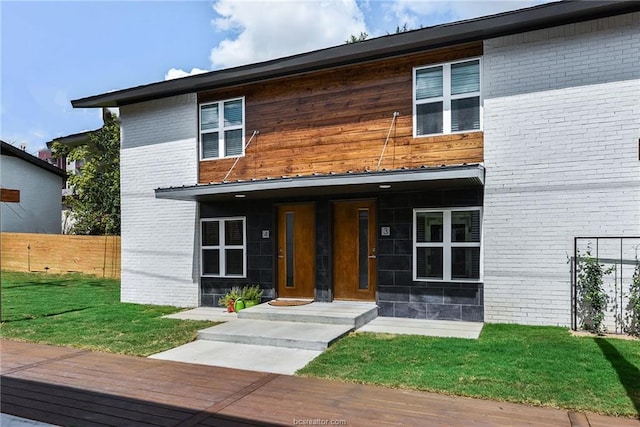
447,244
223,247
447,98
222,129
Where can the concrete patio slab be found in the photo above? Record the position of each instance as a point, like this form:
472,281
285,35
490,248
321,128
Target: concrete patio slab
7,420
306,336
277,360
432,328
351,313
212,314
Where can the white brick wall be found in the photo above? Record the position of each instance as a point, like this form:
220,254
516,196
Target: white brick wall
159,247
562,123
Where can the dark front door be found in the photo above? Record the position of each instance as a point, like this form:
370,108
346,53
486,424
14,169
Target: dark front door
354,250
296,250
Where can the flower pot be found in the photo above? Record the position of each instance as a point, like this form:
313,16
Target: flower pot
250,303
239,305
230,306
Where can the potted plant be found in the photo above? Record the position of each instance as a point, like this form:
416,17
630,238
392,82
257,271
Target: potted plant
239,305
251,295
230,298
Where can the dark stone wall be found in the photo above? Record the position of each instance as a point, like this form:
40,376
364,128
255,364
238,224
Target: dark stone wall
397,294
261,260
260,251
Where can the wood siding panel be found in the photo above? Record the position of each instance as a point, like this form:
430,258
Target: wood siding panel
9,196
338,120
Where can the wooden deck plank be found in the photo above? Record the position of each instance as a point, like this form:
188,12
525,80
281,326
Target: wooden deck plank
14,356
32,413
84,417
329,397
200,381
69,387
127,388
596,420
163,381
62,397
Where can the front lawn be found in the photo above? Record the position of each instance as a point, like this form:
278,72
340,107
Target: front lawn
85,312
535,365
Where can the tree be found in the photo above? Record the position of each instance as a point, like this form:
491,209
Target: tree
363,36
355,39
402,29
95,202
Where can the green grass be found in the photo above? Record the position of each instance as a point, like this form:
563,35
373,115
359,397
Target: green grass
85,312
535,365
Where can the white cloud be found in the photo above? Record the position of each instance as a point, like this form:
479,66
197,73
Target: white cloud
263,30
430,12
176,73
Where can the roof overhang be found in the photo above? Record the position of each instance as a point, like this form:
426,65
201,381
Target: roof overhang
332,184
7,149
74,140
394,45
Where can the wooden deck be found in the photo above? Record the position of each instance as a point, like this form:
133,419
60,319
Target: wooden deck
72,387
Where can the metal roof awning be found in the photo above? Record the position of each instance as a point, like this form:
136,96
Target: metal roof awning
331,184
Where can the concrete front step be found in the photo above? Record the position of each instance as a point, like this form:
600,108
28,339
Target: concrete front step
305,336
350,314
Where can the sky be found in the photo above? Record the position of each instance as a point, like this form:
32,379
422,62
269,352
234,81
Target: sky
54,51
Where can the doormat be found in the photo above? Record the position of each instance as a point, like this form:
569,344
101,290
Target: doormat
288,302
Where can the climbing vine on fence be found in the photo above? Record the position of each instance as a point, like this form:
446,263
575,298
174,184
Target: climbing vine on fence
633,316
592,295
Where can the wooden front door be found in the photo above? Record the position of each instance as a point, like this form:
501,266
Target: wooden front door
354,250
296,251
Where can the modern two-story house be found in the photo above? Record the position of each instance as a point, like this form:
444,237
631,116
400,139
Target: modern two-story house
441,173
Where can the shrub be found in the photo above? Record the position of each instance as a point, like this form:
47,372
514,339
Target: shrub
593,298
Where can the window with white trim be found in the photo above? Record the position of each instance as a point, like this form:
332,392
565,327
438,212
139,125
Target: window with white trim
224,247
222,129
447,244
447,98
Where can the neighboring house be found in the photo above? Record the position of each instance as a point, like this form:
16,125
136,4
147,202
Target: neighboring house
31,200
516,132
71,141
72,167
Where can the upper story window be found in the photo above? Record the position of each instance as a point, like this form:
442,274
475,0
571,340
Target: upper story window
222,129
447,98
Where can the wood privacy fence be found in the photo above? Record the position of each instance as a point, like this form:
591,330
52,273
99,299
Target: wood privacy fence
61,253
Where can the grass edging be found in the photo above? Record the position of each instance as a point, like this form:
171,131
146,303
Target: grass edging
542,366
85,312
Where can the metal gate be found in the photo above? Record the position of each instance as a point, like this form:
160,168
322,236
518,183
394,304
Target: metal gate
621,255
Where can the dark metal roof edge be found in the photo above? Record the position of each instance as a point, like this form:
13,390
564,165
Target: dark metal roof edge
73,138
512,22
10,150
322,180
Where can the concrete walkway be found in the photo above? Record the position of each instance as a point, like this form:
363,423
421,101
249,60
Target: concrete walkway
282,340
7,420
430,328
261,358
382,325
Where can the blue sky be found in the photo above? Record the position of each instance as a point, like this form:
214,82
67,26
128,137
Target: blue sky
53,51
